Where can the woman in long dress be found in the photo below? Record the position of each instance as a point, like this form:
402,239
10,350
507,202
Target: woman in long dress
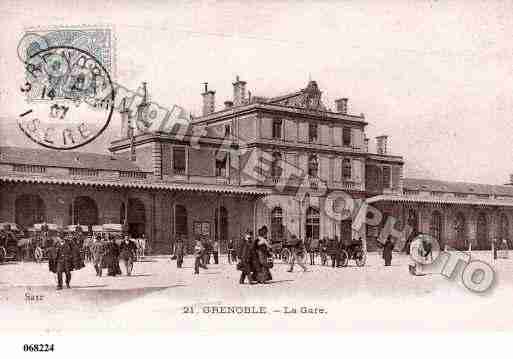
263,256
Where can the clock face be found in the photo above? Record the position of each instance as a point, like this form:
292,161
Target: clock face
69,98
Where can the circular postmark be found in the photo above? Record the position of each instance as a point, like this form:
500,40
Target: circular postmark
424,249
69,98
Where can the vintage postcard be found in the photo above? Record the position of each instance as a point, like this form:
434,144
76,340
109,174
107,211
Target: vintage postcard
255,166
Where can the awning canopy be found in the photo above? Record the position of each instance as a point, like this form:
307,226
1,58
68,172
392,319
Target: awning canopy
442,200
139,184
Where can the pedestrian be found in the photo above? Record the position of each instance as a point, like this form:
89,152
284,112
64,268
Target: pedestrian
206,252
179,252
264,256
127,253
245,264
198,254
341,254
98,253
332,251
215,251
231,251
64,261
388,247
113,264
298,254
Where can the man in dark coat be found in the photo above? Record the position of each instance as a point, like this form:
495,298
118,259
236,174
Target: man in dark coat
388,247
113,255
64,261
245,256
333,251
127,252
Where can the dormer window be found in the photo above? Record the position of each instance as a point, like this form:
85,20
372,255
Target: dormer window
312,132
277,129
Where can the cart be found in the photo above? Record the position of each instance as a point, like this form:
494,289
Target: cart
9,234
42,237
281,251
353,251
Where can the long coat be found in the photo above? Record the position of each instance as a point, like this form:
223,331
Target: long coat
387,251
245,254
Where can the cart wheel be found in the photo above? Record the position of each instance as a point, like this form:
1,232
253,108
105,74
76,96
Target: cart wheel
360,258
344,258
285,255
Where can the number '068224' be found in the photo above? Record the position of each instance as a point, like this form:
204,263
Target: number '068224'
38,347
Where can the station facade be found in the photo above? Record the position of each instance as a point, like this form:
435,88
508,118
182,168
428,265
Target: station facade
257,161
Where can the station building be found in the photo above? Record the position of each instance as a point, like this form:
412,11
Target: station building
257,161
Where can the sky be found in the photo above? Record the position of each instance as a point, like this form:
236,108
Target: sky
436,77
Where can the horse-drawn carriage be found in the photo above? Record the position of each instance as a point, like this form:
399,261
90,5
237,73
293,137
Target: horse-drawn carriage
353,251
281,250
9,236
41,236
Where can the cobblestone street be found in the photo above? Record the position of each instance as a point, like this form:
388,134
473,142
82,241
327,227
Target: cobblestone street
373,297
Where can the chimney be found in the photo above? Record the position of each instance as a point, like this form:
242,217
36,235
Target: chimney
366,144
341,105
381,145
125,119
209,100
228,104
239,92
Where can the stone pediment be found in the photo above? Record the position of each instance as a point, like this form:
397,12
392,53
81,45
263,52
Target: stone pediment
309,98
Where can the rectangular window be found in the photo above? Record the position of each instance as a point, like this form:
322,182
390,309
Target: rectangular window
386,177
221,164
179,160
312,132
346,136
277,129
346,169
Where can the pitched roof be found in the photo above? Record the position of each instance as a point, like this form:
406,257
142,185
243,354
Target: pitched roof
456,187
68,159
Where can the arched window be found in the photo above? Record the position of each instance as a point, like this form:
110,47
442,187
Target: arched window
136,218
346,169
29,209
276,165
313,166
85,211
504,227
276,224
180,220
312,223
436,226
460,229
482,231
221,224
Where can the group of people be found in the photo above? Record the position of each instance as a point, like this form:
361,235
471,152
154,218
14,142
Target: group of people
255,258
108,254
66,254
